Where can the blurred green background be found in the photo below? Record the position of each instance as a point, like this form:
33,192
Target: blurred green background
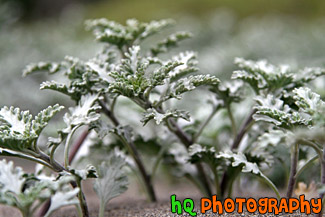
290,32
119,10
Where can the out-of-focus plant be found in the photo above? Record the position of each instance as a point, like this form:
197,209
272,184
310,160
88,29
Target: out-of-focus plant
27,192
19,137
282,99
123,68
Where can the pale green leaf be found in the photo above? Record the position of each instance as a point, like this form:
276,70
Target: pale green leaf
170,42
111,181
240,160
161,117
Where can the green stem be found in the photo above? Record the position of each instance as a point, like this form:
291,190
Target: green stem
216,181
82,199
146,178
206,122
244,128
286,171
141,182
129,144
313,145
232,179
235,145
307,164
270,184
101,209
293,170
322,176
158,160
195,182
58,168
67,147
79,211
52,152
113,106
27,157
187,142
232,120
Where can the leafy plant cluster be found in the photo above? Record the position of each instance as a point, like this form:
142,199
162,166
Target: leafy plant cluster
285,113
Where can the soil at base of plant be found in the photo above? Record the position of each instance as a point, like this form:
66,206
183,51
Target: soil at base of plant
161,209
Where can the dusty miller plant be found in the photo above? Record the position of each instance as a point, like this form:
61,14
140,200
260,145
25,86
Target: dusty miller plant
285,112
19,137
153,79
124,69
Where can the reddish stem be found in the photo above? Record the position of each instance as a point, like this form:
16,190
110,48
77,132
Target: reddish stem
77,145
75,148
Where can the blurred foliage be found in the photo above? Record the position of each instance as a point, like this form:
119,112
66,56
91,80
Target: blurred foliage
147,9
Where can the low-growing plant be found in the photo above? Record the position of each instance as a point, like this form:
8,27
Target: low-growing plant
130,76
19,137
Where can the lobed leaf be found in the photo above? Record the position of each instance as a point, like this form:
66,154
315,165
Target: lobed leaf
111,181
240,160
190,83
273,110
307,101
51,67
19,131
170,42
11,182
159,117
42,118
188,65
261,75
27,191
119,35
82,114
199,153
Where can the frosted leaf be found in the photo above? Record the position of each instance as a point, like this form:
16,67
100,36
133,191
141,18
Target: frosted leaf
15,120
307,100
190,83
111,181
154,27
52,67
188,61
179,160
240,159
101,70
18,131
228,92
88,172
41,120
11,178
170,42
199,153
309,74
273,110
262,75
61,199
159,117
274,137
271,102
83,113
133,57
